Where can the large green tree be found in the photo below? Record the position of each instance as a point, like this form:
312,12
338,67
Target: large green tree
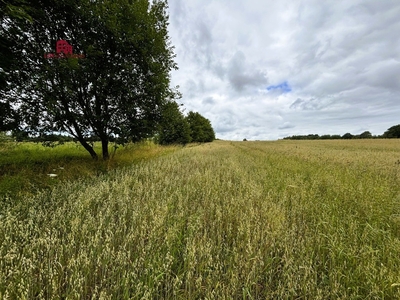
115,92
201,130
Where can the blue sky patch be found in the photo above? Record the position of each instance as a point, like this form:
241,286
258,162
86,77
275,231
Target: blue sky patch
284,87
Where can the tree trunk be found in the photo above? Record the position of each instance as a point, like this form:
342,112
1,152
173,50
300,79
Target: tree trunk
104,147
89,148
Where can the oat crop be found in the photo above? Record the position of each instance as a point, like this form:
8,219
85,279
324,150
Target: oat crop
226,220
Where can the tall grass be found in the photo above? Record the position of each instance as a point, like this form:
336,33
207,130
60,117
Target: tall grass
25,167
241,220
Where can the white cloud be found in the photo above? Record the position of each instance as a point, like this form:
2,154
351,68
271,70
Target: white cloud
339,59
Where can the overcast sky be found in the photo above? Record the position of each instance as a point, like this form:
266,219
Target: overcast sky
263,69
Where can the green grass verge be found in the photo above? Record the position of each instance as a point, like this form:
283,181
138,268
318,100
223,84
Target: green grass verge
25,167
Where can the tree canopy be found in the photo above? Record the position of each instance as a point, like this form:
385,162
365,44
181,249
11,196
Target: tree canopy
174,128
200,128
13,15
365,135
115,93
392,132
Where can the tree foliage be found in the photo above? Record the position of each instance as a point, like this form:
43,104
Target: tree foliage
365,135
392,132
8,117
13,15
200,128
116,92
347,136
174,128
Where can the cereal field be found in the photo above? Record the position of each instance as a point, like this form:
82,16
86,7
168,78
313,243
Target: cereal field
225,220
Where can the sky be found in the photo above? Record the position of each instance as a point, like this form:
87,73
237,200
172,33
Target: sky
264,69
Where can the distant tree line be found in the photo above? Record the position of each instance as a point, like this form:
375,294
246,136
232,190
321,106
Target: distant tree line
392,132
